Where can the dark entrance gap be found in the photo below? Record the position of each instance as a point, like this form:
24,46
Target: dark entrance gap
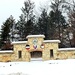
51,53
36,54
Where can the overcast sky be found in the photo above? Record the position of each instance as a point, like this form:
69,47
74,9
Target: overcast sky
13,7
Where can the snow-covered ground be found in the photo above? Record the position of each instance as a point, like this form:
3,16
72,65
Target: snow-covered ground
38,67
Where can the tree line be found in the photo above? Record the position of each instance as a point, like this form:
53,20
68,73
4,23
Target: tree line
50,23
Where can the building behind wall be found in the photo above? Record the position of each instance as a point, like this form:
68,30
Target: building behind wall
47,49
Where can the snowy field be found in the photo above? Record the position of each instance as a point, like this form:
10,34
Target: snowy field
39,67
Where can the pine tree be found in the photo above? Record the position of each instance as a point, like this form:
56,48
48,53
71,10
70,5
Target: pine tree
58,17
43,24
51,25
26,23
20,25
6,29
57,21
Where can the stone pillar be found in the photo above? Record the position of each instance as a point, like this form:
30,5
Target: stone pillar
27,56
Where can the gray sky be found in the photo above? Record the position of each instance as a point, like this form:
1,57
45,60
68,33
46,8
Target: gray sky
13,7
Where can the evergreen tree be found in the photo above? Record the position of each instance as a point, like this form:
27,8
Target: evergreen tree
58,17
51,25
26,22
6,29
21,27
43,24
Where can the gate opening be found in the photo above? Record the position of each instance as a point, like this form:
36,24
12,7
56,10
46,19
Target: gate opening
36,54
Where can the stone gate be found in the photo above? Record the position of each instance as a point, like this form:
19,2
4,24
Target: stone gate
35,43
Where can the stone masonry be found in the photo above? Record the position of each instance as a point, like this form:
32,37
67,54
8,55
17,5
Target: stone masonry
49,49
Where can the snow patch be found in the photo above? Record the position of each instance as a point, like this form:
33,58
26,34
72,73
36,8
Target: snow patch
51,67
52,41
6,51
30,36
18,42
65,49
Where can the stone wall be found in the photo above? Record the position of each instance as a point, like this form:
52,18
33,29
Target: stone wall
46,52
25,54
66,53
50,50
35,42
6,56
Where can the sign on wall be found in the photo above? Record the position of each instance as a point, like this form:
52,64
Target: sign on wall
35,41
27,47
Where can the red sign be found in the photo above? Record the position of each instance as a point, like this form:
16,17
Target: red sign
34,46
42,45
27,47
